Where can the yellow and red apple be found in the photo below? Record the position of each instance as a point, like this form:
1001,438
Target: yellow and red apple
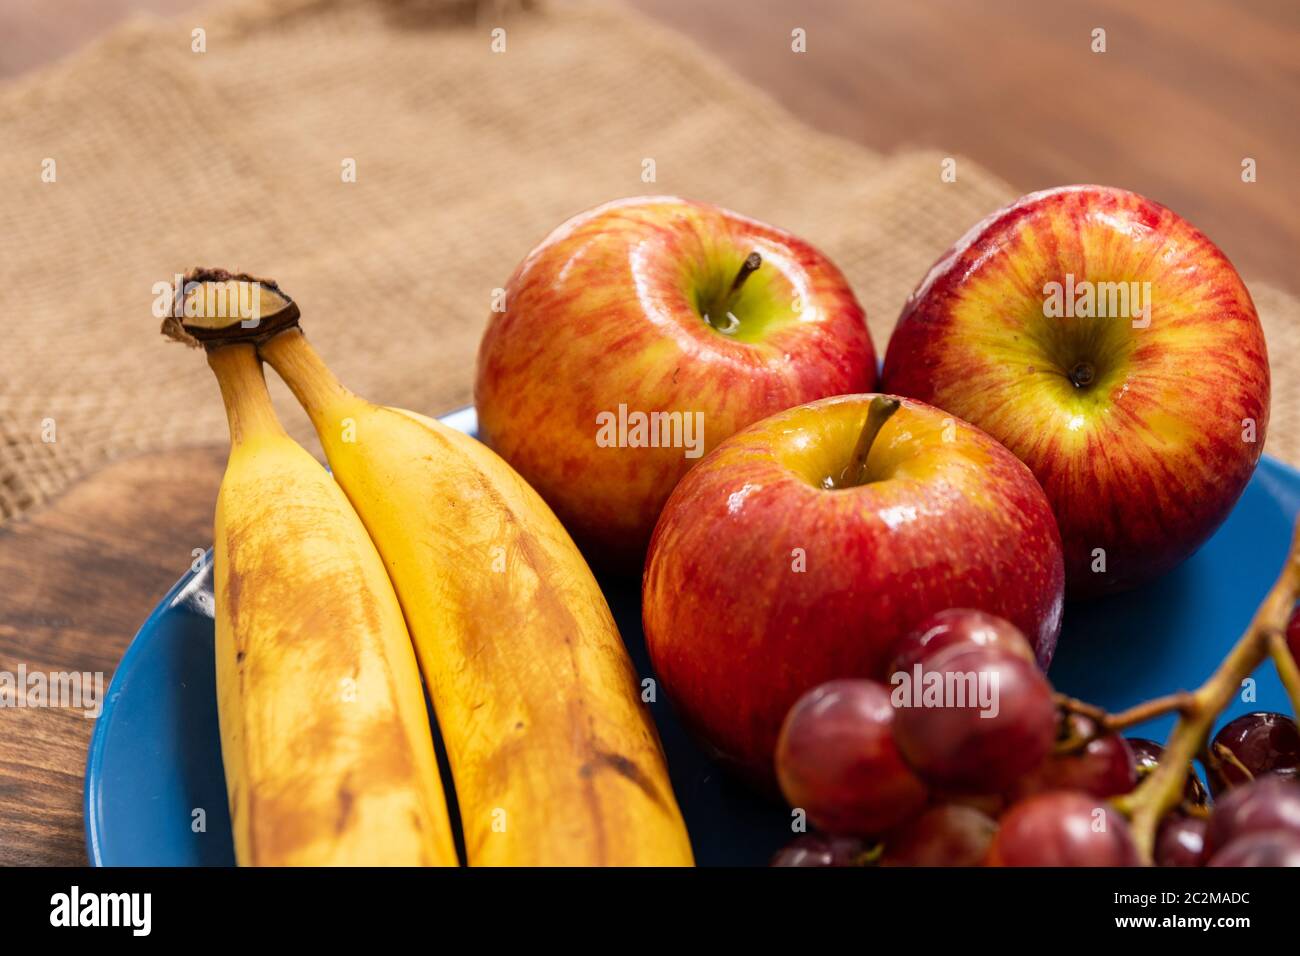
806,546
639,335
1114,349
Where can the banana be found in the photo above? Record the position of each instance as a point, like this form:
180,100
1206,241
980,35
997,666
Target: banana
554,757
325,736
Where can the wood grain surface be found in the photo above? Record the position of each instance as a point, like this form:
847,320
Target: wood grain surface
1186,89
80,576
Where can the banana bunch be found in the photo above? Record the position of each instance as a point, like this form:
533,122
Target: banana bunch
555,759
327,748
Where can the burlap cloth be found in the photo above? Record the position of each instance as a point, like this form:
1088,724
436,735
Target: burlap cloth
167,158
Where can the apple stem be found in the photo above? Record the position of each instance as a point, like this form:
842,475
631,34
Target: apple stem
879,412
749,266
1082,374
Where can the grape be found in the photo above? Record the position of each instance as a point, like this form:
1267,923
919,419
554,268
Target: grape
1269,803
1062,828
1147,754
837,759
1180,841
1106,767
815,849
958,626
1264,743
945,835
989,804
994,721
1265,848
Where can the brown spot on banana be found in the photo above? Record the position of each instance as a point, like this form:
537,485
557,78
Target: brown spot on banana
234,580
345,808
625,768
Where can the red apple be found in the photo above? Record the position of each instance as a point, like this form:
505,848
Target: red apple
777,565
1114,349
656,306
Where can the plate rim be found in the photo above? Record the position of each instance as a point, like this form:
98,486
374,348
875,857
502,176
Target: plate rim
92,789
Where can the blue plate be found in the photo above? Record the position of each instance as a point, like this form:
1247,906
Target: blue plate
155,789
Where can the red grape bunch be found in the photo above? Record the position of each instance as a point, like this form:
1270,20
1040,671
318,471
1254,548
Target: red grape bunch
959,755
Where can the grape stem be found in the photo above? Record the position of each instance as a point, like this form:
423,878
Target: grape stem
1222,755
1287,670
1213,768
1107,723
1161,791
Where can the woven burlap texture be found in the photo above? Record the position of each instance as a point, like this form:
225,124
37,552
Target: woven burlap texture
165,158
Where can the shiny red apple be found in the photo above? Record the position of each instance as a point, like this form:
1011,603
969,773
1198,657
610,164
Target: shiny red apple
1113,348
639,335
788,557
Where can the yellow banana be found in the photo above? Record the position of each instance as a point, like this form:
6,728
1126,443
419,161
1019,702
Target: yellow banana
324,731
555,758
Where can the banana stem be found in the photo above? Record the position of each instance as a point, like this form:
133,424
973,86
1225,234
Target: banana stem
306,374
243,391
1162,789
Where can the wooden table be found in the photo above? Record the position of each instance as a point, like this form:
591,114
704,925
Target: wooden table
1189,88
